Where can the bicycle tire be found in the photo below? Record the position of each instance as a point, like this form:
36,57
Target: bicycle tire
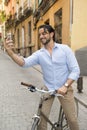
35,124
62,123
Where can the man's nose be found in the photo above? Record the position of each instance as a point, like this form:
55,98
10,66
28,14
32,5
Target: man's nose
41,36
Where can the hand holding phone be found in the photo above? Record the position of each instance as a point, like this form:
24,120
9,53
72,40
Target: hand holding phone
9,36
9,43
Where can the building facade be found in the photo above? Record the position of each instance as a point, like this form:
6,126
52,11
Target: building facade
2,21
25,16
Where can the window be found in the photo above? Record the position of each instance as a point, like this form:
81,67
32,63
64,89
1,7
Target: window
29,32
47,22
23,36
58,25
39,1
18,40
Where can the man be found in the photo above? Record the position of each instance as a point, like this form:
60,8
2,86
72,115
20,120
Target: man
60,70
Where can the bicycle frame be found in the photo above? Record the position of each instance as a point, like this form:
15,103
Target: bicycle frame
54,126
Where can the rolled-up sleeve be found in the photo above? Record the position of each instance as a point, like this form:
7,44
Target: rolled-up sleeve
72,64
31,60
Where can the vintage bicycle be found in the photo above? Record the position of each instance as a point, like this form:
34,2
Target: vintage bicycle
60,124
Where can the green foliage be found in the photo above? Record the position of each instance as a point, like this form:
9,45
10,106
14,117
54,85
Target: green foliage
2,16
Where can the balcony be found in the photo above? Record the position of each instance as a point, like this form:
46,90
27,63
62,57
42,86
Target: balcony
27,9
6,2
36,16
9,22
45,5
20,13
16,19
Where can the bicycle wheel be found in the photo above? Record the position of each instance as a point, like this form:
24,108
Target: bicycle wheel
62,123
35,123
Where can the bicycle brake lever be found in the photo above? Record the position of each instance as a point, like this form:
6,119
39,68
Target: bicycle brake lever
32,88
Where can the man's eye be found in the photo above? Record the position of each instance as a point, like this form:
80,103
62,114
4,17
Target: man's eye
42,34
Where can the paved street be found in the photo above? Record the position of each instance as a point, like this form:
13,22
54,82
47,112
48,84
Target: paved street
17,104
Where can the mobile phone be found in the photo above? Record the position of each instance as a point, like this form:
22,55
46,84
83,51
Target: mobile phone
9,36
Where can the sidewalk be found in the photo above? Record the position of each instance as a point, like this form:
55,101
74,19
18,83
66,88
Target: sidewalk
17,104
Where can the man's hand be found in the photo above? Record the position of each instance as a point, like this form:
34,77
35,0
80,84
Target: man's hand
62,90
9,45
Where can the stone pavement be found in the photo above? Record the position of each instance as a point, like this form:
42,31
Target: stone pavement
17,104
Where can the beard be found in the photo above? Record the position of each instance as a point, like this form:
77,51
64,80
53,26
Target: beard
45,41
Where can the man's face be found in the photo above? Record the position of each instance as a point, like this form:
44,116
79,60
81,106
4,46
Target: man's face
44,36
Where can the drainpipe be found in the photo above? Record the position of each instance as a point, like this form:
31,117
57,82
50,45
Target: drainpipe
71,15
71,20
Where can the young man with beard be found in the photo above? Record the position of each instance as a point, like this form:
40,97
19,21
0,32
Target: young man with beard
60,69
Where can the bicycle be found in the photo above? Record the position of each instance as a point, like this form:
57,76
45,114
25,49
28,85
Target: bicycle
60,124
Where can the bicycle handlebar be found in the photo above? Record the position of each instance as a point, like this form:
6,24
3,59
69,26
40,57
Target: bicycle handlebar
32,88
27,85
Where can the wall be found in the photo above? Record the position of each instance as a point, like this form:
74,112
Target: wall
65,5
79,26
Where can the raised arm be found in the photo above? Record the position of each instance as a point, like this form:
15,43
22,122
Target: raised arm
9,46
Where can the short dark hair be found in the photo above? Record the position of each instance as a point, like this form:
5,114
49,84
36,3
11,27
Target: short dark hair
49,28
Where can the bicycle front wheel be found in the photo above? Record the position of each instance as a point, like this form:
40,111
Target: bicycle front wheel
35,123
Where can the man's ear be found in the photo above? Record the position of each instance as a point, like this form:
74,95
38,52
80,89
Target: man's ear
52,34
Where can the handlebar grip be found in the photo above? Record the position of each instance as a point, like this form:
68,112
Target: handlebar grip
25,84
30,86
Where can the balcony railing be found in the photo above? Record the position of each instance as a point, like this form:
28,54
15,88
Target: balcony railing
46,4
9,23
16,19
27,6
20,13
43,7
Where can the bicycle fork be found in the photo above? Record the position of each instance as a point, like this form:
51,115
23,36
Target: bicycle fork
37,118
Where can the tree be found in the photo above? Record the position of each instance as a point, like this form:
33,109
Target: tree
2,16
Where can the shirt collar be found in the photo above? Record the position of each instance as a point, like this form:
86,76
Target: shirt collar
55,46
